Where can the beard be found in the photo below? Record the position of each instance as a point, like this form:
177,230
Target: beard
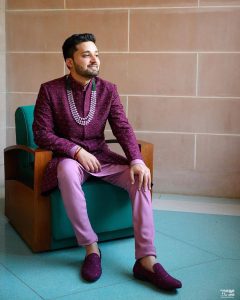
90,72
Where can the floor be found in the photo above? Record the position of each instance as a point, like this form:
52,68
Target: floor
197,240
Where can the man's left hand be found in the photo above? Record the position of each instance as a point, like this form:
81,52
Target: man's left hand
144,176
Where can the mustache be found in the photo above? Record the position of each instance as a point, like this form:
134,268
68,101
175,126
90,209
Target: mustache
93,65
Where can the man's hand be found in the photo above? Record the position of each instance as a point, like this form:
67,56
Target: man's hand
88,161
144,176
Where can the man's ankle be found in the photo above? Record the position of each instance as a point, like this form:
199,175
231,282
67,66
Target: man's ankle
148,261
92,248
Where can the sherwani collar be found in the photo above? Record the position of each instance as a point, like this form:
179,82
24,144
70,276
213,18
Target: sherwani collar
77,86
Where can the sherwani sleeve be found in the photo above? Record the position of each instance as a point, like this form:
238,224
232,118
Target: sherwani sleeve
43,126
122,130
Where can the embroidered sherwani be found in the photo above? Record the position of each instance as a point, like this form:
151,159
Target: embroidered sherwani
55,129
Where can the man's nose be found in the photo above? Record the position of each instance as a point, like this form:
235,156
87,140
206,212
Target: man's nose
93,58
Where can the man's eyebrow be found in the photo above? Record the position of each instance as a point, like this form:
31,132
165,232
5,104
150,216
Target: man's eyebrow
87,51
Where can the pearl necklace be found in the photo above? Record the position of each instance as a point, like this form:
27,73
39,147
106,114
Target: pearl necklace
86,120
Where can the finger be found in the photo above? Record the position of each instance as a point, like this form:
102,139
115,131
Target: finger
86,167
99,167
149,182
140,180
94,166
90,167
132,176
145,181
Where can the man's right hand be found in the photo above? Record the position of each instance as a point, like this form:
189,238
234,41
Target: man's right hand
88,161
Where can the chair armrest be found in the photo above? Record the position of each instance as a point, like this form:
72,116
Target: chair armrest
146,149
41,158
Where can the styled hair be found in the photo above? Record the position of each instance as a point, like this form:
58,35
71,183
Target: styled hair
70,44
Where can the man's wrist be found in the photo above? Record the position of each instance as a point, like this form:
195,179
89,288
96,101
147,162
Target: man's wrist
77,151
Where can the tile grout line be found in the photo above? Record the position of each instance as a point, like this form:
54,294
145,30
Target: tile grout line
189,133
23,282
197,75
128,45
197,264
195,152
171,132
90,289
143,95
129,52
127,107
123,8
189,244
203,263
183,132
182,96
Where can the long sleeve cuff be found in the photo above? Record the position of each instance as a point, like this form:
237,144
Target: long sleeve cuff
73,151
137,161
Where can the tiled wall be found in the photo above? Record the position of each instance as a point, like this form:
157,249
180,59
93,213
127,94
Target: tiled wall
2,93
177,67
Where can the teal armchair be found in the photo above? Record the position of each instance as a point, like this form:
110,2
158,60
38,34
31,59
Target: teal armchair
41,220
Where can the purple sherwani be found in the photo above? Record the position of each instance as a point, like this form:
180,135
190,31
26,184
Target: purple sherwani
55,129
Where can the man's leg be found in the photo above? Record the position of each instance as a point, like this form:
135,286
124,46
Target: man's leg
70,179
145,267
142,213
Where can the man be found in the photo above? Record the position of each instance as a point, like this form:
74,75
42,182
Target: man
70,116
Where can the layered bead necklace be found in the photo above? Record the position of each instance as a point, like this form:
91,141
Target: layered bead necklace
86,120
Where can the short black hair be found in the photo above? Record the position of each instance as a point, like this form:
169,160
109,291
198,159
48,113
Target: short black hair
69,46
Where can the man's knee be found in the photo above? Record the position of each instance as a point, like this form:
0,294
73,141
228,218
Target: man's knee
67,167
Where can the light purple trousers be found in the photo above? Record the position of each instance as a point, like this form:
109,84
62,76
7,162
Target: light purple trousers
71,176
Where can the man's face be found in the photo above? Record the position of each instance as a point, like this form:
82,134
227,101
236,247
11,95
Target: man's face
85,61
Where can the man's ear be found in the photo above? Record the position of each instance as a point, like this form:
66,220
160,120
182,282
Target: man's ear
69,63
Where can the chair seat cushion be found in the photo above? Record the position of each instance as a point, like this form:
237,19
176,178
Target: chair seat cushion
109,209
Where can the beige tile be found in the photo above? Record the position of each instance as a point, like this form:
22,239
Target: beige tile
184,114
25,72
34,4
219,75
2,110
2,27
218,153
128,3
171,151
151,74
174,171
40,31
3,74
215,184
2,143
219,2
16,100
10,136
108,134
185,30
113,146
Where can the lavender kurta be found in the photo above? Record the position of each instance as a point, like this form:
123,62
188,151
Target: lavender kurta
55,129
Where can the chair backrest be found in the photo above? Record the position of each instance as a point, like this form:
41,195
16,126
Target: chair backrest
24,136
23,123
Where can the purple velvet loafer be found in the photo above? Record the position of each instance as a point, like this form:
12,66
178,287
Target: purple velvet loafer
91,268
160,278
